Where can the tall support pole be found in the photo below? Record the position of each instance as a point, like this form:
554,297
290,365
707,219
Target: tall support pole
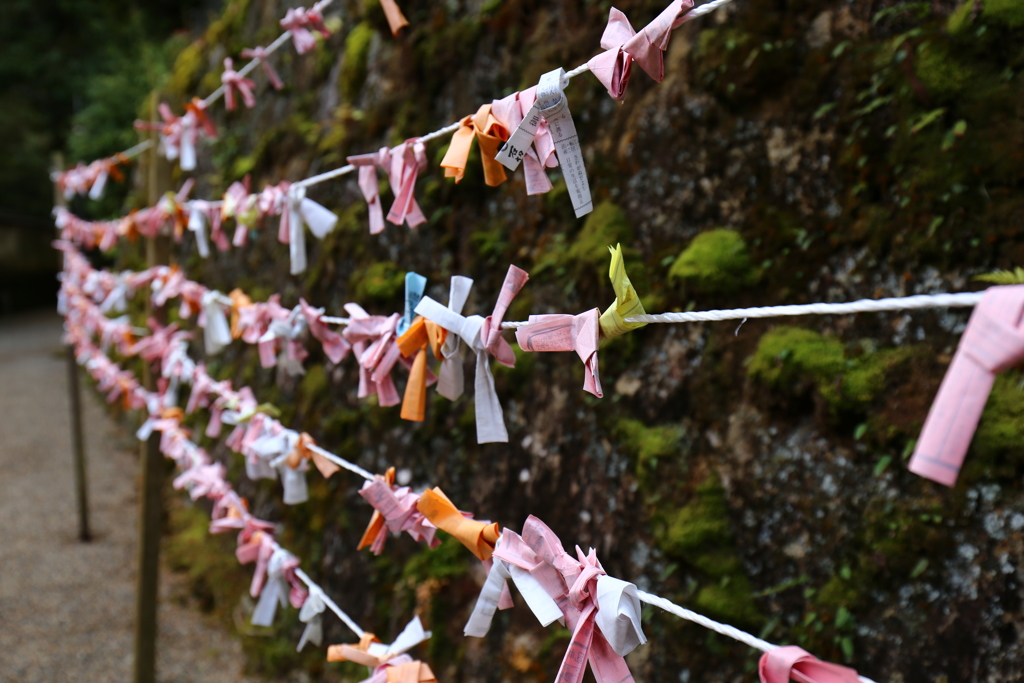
151,503
78,444
75,403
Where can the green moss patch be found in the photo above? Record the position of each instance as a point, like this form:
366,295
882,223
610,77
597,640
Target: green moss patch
699,533
730,600
700,525
941,72
791,359
716,261
357,51
960,19
1008,12
381,280
1001,429
606,225
649,445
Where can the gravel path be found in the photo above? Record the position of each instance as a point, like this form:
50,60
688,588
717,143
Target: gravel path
67,608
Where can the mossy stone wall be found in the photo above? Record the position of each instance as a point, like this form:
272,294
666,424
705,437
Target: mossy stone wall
796,152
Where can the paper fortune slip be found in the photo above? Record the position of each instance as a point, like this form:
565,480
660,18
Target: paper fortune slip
552,106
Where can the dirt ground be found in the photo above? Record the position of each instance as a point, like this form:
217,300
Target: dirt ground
67,608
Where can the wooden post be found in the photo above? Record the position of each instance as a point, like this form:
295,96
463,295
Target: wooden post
152,465
75,403
78,444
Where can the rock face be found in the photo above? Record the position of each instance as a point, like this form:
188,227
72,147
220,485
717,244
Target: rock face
752,472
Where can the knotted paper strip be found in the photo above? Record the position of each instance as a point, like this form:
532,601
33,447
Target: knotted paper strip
627,303
395,511
540,552
530,142
197,225
396,20
298,22
478,537
373,341
623,45
216,331
282,587
415,285
233,81
783,663
451,377
261,54
561,332
239,301
408,160
310,616
490,135
494,594
993,342
388,662
303,210
554,107
414,342
335,346
375,534
367,165
240,204
276,447
483,335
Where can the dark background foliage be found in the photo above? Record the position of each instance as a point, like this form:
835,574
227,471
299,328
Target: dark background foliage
73,75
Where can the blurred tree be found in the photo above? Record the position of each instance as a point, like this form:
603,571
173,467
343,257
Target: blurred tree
72,75
64,58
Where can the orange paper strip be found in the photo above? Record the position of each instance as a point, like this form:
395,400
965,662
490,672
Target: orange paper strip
396,20
415,341
479,537
239,300
489,134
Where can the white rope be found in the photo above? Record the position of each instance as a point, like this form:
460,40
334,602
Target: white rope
137,149
344,170
701,620
348,168
313,587
889,304
711,624
341,462
906,303
281,40
219,92
649,598
450,128
325,176
706,8
581,69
